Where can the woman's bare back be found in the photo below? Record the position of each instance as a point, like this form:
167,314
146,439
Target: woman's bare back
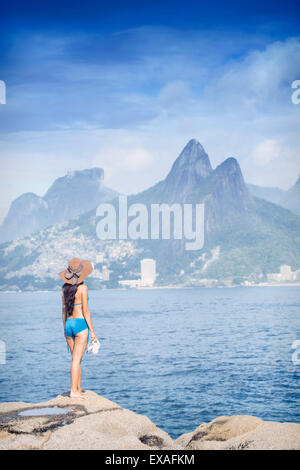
77,311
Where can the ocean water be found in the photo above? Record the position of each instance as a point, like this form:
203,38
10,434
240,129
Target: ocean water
180,356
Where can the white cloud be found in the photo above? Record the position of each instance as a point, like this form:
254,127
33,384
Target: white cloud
125,160
266,151
261,80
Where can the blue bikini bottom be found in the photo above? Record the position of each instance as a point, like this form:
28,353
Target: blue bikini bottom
74,326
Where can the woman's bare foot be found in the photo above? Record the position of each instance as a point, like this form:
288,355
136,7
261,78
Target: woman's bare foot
77,395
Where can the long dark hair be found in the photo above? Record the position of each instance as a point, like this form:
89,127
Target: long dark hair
69,296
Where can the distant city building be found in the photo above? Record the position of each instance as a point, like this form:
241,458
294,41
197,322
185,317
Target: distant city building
148,275
285,274
97,274
105,273
100,258
148,271
130,283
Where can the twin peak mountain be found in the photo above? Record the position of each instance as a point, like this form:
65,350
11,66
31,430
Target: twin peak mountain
190,180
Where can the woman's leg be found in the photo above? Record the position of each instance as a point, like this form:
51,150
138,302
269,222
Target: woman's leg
79,381
78,351
70,342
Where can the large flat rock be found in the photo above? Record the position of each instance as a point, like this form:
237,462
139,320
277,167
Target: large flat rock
95,423
98,423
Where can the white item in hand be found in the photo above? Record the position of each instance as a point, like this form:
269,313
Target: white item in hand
94,346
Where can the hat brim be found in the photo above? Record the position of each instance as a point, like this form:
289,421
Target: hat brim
87,269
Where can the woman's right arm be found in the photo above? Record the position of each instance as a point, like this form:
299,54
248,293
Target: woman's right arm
87,313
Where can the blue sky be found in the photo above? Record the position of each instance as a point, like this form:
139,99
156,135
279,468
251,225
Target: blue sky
124,86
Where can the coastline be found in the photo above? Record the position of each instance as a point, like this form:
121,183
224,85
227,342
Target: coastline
262,284
216,286
279,284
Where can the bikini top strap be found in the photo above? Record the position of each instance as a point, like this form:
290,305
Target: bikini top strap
81,302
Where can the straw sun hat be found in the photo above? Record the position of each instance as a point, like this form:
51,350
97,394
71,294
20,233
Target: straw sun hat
76,271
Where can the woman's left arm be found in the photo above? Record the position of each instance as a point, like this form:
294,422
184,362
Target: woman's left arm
87,313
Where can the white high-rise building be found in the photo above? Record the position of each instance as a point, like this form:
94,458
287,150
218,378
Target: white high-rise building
100,257
285,274
148,271
105,273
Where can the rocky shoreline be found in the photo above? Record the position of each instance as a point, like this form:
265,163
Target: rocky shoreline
98,423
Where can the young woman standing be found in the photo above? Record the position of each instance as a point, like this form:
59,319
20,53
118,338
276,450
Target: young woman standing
76,315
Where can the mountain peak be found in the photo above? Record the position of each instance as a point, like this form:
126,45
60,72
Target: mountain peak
69,196
230,167
230,188
193,143
91,173
192,153
192,164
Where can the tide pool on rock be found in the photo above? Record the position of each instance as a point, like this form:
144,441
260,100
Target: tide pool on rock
43,411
